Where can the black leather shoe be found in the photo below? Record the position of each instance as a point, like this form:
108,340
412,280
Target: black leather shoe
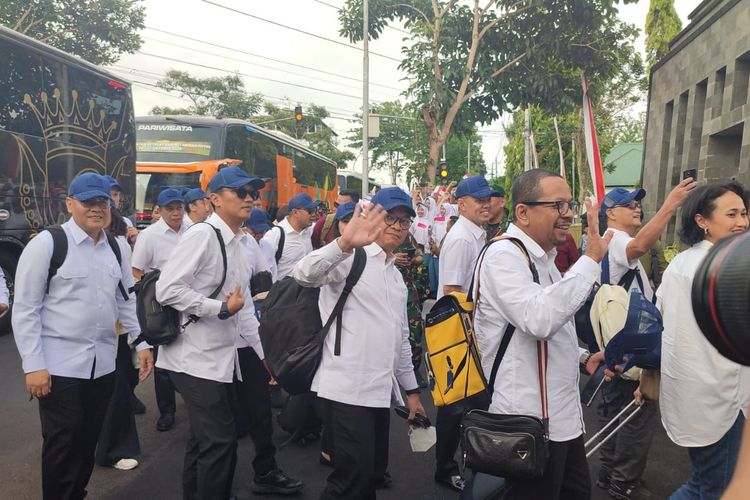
165,422
276,483
384,482
138,407
456,482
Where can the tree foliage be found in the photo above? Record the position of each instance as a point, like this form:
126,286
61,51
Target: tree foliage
470,63
96,30
223,96
662,25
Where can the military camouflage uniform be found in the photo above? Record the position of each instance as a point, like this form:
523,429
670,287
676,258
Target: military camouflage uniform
417,284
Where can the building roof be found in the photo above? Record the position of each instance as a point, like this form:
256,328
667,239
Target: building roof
627,157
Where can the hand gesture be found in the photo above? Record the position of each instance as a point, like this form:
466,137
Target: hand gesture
415,406
402,259
364,228
235,301
146,362
39,383
596,245
131,234
681,191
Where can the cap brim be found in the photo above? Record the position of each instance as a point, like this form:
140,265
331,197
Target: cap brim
408,208
87,195
170,200
259,228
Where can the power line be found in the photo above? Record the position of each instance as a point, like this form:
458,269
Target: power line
275,23
339,8
359,80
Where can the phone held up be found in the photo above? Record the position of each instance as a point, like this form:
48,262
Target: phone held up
691,172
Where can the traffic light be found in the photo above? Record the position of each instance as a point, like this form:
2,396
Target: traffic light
298,114
443,170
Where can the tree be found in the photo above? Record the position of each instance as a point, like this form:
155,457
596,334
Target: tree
223,96
96,30
662,25
470,63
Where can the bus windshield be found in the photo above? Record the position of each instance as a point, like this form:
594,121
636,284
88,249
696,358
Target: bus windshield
149,185
177,142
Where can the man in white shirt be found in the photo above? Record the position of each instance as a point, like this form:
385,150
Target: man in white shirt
297,233
623,458
202,360
358,384
197,207
543,212
151,251
459,252
64,328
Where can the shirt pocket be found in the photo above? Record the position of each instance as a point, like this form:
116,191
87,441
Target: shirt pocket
70,282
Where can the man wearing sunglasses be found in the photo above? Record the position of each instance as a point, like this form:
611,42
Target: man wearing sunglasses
202,360
323,229
356,386
297,233
623,460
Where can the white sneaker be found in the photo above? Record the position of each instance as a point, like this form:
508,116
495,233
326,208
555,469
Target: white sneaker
126,464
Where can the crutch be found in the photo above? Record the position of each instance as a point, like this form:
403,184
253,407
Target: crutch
613,421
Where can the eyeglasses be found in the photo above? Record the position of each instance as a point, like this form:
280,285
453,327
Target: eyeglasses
403,222
632,205
562,206
95,202
243,192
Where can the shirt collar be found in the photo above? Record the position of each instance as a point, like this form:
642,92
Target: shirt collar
374,250
476,231
226,232
531,245
79,235
164,227
288,227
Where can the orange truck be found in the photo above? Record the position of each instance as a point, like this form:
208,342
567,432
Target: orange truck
184,152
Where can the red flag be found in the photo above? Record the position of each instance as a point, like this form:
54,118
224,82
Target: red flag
592,144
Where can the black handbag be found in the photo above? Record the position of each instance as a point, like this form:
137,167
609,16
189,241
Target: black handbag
509,446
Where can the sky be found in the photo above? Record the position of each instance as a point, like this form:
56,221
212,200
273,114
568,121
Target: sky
307,64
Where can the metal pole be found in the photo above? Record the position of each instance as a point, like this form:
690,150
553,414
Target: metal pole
365,96
575,164
609,424
468,156
527,140
624,422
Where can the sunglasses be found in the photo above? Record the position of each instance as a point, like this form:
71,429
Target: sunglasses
244,191
632,205
403,222
95,203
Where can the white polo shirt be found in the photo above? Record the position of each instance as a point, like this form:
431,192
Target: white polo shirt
461,247
297,244
375,352
154,245
540,312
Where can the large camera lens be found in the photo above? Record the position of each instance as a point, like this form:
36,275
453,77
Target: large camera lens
721,297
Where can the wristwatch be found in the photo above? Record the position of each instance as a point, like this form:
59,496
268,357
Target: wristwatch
224,312
584,358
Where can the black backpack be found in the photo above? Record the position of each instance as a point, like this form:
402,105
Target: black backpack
292,333
60,253
160,324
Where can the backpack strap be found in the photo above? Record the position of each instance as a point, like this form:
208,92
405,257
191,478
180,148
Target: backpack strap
280,247
59,251
358,266
327,225
112,240
192,318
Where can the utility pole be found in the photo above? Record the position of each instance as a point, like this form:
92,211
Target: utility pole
527,161
468,156
365,97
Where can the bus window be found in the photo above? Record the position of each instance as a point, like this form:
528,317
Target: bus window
167,142
257,152
148,186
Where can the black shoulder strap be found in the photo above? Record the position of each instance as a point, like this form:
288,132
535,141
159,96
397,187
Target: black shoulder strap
280,247
223,248
112,240
59,251
358,266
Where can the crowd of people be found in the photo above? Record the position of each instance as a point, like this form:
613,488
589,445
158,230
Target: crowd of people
75,325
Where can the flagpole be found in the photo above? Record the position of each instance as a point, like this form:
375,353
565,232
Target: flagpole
365,97
559,146
527,140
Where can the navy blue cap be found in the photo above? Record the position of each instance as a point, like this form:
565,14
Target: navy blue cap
393,197
344,210
476,187
113,184
89,185
303,201
498,192
192,195
621,196
167,196
233,178
258,221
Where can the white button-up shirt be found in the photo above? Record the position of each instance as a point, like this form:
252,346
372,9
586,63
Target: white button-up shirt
4,295
701,392
542,311
207,348
375,351
619,263
267,258
154,244
297,244
461,247
69,329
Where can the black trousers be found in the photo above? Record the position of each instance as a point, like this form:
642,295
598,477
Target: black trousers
359,439
119,436
164,388
211,452
253,411
71,417
566,476
448,431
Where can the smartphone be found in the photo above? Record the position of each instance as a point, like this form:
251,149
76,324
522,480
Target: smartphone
691,172
419,420
410,252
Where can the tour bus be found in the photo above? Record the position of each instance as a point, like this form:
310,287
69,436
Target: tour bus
59,117
349,179
186,151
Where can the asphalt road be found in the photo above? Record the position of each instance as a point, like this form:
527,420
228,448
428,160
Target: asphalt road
159,475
